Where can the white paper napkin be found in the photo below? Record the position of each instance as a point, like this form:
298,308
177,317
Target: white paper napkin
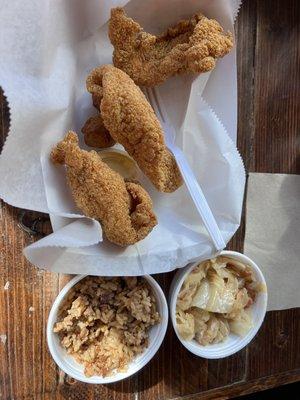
272,237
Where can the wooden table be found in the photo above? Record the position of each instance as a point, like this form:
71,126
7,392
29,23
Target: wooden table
269,112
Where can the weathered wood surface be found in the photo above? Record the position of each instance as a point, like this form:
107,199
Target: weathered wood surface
269,114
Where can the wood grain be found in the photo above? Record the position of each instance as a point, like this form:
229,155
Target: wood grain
268,59
277,86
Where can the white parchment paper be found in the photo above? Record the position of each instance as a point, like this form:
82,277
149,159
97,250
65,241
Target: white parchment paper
52,47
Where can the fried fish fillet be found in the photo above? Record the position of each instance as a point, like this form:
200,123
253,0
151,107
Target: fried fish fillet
131,121
95,133
124,209
190,46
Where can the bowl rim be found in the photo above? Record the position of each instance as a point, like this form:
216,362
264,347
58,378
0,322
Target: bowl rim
199,350
148,354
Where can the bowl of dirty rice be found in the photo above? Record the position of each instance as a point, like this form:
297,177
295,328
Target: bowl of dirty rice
105,329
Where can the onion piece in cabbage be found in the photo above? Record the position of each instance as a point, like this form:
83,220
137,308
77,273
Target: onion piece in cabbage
241,324
190,285
185,325
215,294
215,330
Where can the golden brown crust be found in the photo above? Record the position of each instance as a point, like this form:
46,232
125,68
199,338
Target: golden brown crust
131,122
95,133
124,209
190,46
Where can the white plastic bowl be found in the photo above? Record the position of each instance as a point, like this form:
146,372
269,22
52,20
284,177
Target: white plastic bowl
233,343
67,363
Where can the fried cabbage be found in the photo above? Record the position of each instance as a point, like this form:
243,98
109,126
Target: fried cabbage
214,300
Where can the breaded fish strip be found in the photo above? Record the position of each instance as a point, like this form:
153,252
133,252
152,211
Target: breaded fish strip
124,209
95,133
189,46
131,121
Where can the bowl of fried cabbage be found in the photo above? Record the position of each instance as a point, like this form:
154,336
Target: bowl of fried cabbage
218,305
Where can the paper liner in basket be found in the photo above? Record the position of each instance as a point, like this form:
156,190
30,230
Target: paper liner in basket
44,80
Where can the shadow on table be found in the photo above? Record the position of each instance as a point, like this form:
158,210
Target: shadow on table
74,390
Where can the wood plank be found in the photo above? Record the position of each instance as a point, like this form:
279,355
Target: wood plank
277,87
26,302
244,388
245,30
276,348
